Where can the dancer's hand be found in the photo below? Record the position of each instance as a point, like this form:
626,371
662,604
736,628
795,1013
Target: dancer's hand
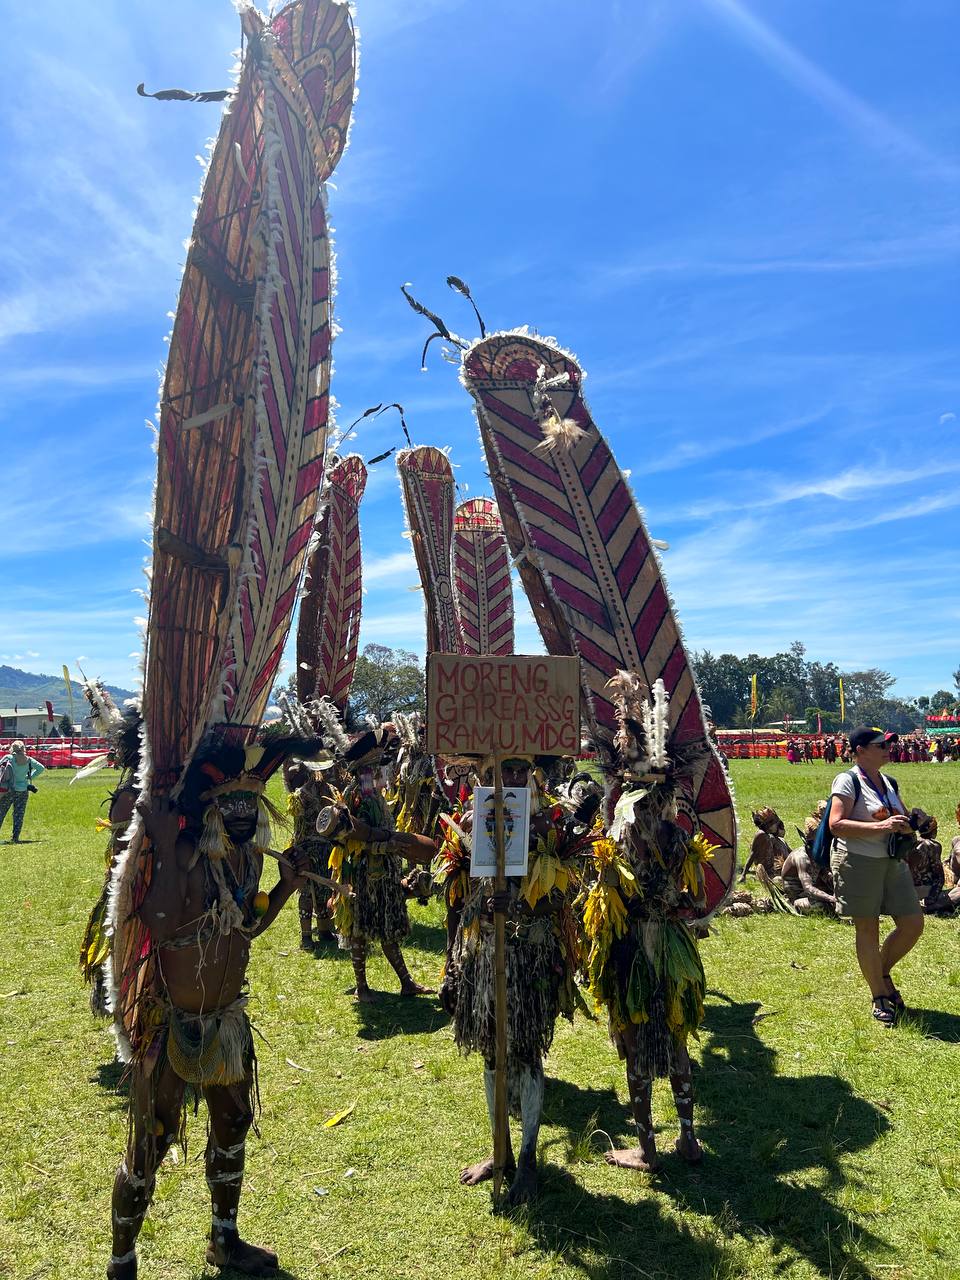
293,864
161,820
499,901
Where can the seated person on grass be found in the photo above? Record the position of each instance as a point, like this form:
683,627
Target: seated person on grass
926,867
769,849
808,887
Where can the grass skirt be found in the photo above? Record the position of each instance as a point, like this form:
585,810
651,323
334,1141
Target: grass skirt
535,968
380,901
660,987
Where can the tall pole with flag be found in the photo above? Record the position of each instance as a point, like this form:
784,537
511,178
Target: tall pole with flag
843,707
754,704
66,681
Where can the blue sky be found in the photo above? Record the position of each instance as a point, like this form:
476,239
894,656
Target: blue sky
742,218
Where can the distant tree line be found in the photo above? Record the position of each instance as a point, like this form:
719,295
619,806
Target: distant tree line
790,688
793,688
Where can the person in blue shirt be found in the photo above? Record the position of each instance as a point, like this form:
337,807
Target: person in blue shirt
18,770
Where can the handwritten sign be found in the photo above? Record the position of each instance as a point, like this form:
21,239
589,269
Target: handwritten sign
477,706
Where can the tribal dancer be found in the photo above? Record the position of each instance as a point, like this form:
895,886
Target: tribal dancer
542,957
417,797
806,886
201,916
122,730
328,630
643,964
593,578
311,788
241,439
366,858
307,797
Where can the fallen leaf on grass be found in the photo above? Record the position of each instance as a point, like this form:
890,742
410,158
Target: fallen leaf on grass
794,965
341,1115
296,1065
320,1191
418,1066
8,995
758,1017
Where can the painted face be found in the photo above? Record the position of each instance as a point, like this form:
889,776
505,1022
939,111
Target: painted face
239,810
515,773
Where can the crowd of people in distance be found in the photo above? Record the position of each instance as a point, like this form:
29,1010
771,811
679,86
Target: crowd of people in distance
911,748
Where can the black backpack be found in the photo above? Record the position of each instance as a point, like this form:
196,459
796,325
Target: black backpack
823,840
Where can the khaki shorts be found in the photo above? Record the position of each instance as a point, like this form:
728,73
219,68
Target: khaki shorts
873,887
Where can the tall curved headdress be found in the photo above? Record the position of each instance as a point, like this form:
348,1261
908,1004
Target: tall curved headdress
482,593
586,563
328,628
426,481
243,410
242,424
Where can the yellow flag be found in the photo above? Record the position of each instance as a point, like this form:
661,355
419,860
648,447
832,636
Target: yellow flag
753,697
843,708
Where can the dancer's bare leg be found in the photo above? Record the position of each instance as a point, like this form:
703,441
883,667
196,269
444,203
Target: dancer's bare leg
156,1122
642,1157
681,1082
358,953
473,1174
230,1120
399,966
524,1185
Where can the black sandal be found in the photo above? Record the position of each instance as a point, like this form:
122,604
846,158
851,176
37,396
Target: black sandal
885,1011
895,996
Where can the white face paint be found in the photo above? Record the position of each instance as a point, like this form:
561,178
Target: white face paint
239,812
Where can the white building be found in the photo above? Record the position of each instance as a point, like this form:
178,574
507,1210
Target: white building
24,722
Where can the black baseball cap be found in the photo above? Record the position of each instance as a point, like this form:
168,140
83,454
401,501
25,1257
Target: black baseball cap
867,736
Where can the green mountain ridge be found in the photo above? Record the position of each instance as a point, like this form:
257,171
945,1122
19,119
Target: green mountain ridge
26,690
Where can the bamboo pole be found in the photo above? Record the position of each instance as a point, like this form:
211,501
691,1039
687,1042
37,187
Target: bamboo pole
340,889
500,1135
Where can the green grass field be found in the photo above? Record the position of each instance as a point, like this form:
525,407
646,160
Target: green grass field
830,1144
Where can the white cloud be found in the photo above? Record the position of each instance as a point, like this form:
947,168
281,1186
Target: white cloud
397,565
853,482
788,253
694,452
872,126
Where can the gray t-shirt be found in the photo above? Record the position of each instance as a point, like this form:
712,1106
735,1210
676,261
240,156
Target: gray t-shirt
863,811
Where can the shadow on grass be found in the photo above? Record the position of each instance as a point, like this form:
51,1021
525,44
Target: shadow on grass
231,1273
935,1024
607,1238
112,1077
393,1015
760,1130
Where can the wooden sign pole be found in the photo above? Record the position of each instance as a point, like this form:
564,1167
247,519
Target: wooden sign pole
500,1132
